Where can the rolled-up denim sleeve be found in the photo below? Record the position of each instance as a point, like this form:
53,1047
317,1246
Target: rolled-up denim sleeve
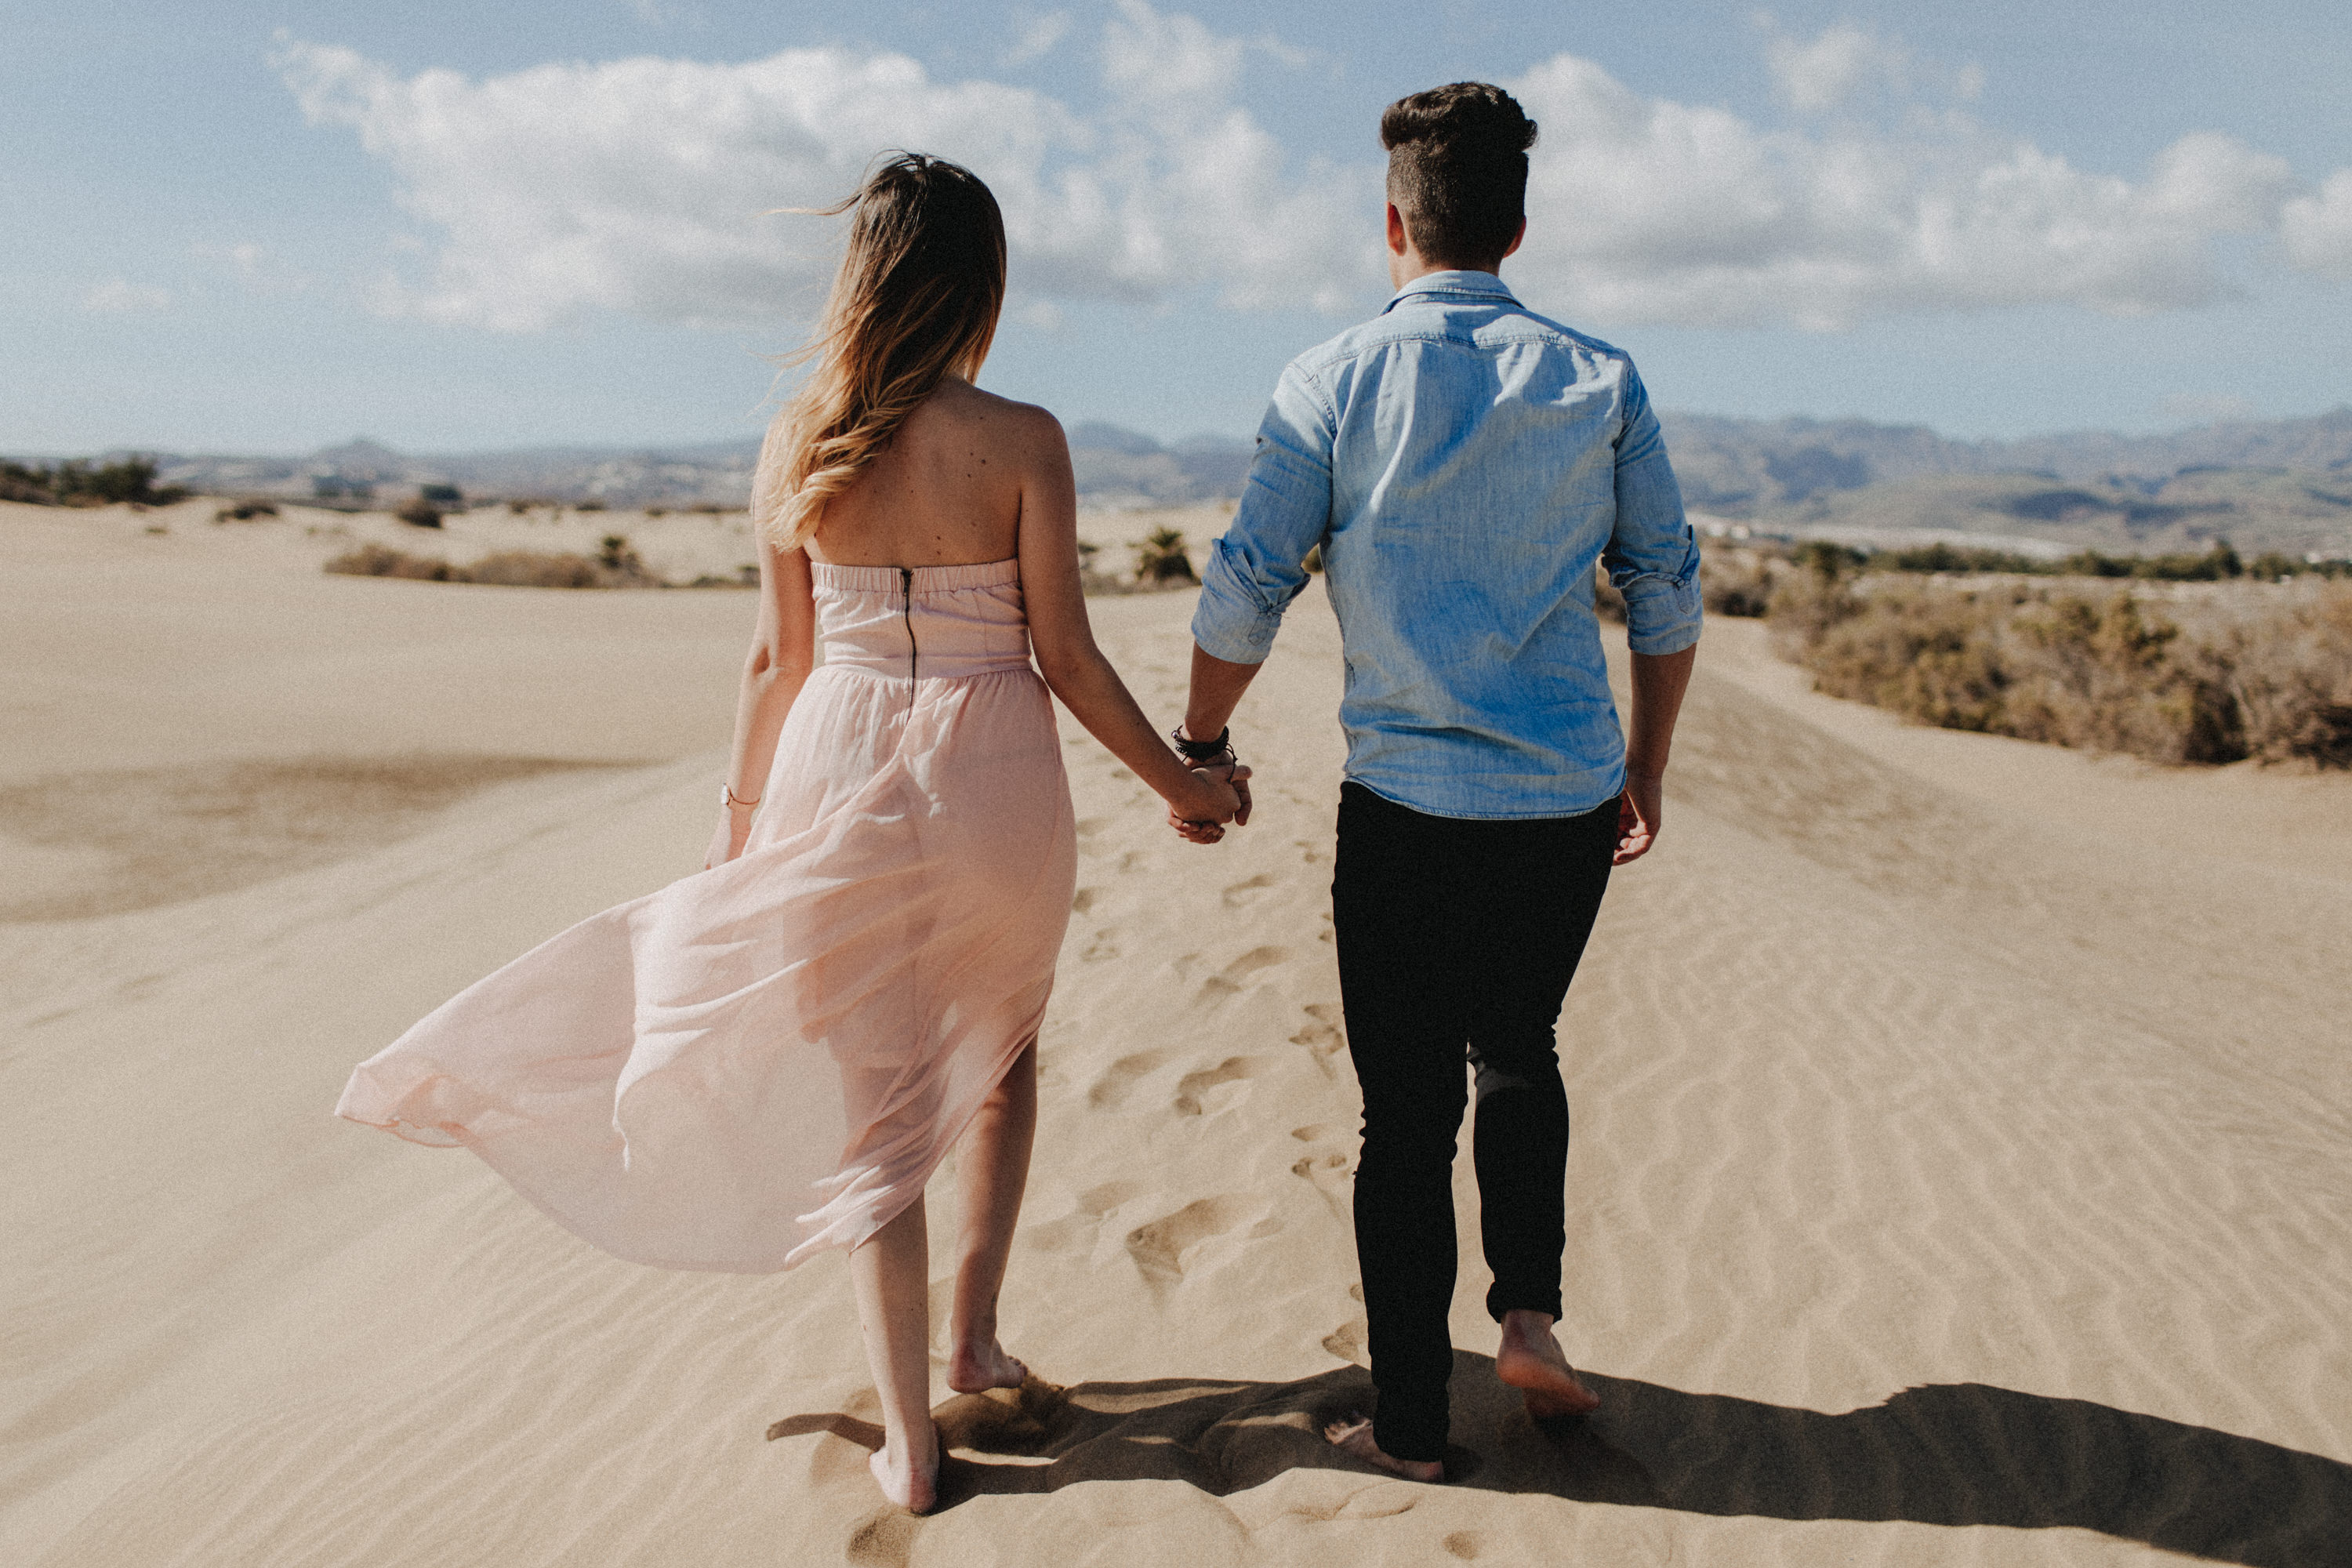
1258,567
1653,555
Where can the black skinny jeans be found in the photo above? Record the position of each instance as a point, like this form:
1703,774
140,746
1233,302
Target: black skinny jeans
1455,933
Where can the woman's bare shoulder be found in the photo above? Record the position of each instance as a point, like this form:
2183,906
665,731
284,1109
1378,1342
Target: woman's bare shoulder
1027,425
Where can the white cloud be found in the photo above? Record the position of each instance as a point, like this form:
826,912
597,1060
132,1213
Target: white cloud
1823,75
120,297
2316,230
1039,37
640,185
1645,210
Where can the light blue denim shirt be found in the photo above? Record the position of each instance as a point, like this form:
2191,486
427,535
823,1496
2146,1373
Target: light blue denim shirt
1463,462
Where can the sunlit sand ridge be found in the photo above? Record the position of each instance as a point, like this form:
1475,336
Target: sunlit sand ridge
1960,1172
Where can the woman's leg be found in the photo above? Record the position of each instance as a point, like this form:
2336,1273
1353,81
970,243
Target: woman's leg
994,1170
890,1271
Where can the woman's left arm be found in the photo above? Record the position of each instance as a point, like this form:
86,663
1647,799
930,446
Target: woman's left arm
784,651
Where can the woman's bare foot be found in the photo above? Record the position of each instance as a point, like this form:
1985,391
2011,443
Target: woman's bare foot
1356,1437
976,1366
1531,1360
912,1484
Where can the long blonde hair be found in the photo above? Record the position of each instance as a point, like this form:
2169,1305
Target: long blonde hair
917,299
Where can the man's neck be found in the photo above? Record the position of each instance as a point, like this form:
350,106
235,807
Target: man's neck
1412,266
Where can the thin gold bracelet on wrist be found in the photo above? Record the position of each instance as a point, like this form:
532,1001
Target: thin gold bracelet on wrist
728,799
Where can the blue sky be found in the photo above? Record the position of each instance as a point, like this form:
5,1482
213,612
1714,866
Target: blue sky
249,227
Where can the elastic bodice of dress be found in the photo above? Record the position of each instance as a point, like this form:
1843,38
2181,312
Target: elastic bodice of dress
926,623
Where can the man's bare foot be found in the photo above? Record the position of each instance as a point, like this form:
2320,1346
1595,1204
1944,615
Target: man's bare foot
975,1367
1531,1362
913,1485
1356,1437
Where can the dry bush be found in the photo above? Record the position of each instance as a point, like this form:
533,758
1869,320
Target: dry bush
381,561
246,511
2269,677
420,514
1737,581
2292,676
1161,559
508,569
534,569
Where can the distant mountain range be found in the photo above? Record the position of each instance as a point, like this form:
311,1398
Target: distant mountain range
1736,465
1783,474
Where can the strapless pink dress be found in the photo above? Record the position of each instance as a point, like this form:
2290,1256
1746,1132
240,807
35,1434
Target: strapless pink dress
772,1056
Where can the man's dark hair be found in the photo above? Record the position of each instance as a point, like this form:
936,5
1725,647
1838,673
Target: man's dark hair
1458,170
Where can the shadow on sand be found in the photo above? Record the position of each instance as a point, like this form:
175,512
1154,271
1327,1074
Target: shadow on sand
1952,1454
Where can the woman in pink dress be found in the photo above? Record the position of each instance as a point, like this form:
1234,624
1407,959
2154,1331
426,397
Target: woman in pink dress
771,1059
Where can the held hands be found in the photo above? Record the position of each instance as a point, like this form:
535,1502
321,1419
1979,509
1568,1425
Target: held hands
1222,795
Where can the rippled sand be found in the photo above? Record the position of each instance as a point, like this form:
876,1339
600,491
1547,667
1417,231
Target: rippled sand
1962,1167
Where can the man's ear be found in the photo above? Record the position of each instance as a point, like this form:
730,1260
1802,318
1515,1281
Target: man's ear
1522,232
1397,241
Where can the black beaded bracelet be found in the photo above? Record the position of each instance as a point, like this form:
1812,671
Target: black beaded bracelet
1198,751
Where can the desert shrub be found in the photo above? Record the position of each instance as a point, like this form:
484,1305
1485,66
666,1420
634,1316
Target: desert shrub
381,561
78,483
420,513
1736,582
1916,650
656,511
2114,676
2269,679
20,483
1161,559
246,511
590,504
534,569
2291,674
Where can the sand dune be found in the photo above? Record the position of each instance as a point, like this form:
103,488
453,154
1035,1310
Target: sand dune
1959,1171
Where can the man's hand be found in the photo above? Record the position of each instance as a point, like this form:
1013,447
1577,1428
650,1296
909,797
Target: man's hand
1235,777
1640,811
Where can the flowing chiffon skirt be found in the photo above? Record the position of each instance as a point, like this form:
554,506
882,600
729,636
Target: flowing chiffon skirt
772,1056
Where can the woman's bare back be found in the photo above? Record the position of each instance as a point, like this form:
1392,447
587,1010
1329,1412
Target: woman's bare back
946,491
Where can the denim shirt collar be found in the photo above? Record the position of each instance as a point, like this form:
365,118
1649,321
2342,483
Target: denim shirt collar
1454,284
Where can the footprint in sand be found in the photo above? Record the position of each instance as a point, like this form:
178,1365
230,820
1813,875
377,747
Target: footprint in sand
1076,1231
1242,894
1119,1079
1329,1173
1195,1085
1227,981
1347,1341
1103,949
1464,1545
1085,900
1321,1035
1160,1248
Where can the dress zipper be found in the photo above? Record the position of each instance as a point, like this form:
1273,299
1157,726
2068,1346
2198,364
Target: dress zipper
906,588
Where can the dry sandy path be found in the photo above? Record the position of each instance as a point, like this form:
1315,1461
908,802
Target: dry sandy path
1960,1170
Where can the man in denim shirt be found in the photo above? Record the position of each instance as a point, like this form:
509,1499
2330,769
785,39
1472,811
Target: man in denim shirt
1462,463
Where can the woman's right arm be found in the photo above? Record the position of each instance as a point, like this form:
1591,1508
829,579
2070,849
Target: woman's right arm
1064,642
784,651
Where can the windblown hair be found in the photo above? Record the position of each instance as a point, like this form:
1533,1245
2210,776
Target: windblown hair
917,299
1458,170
